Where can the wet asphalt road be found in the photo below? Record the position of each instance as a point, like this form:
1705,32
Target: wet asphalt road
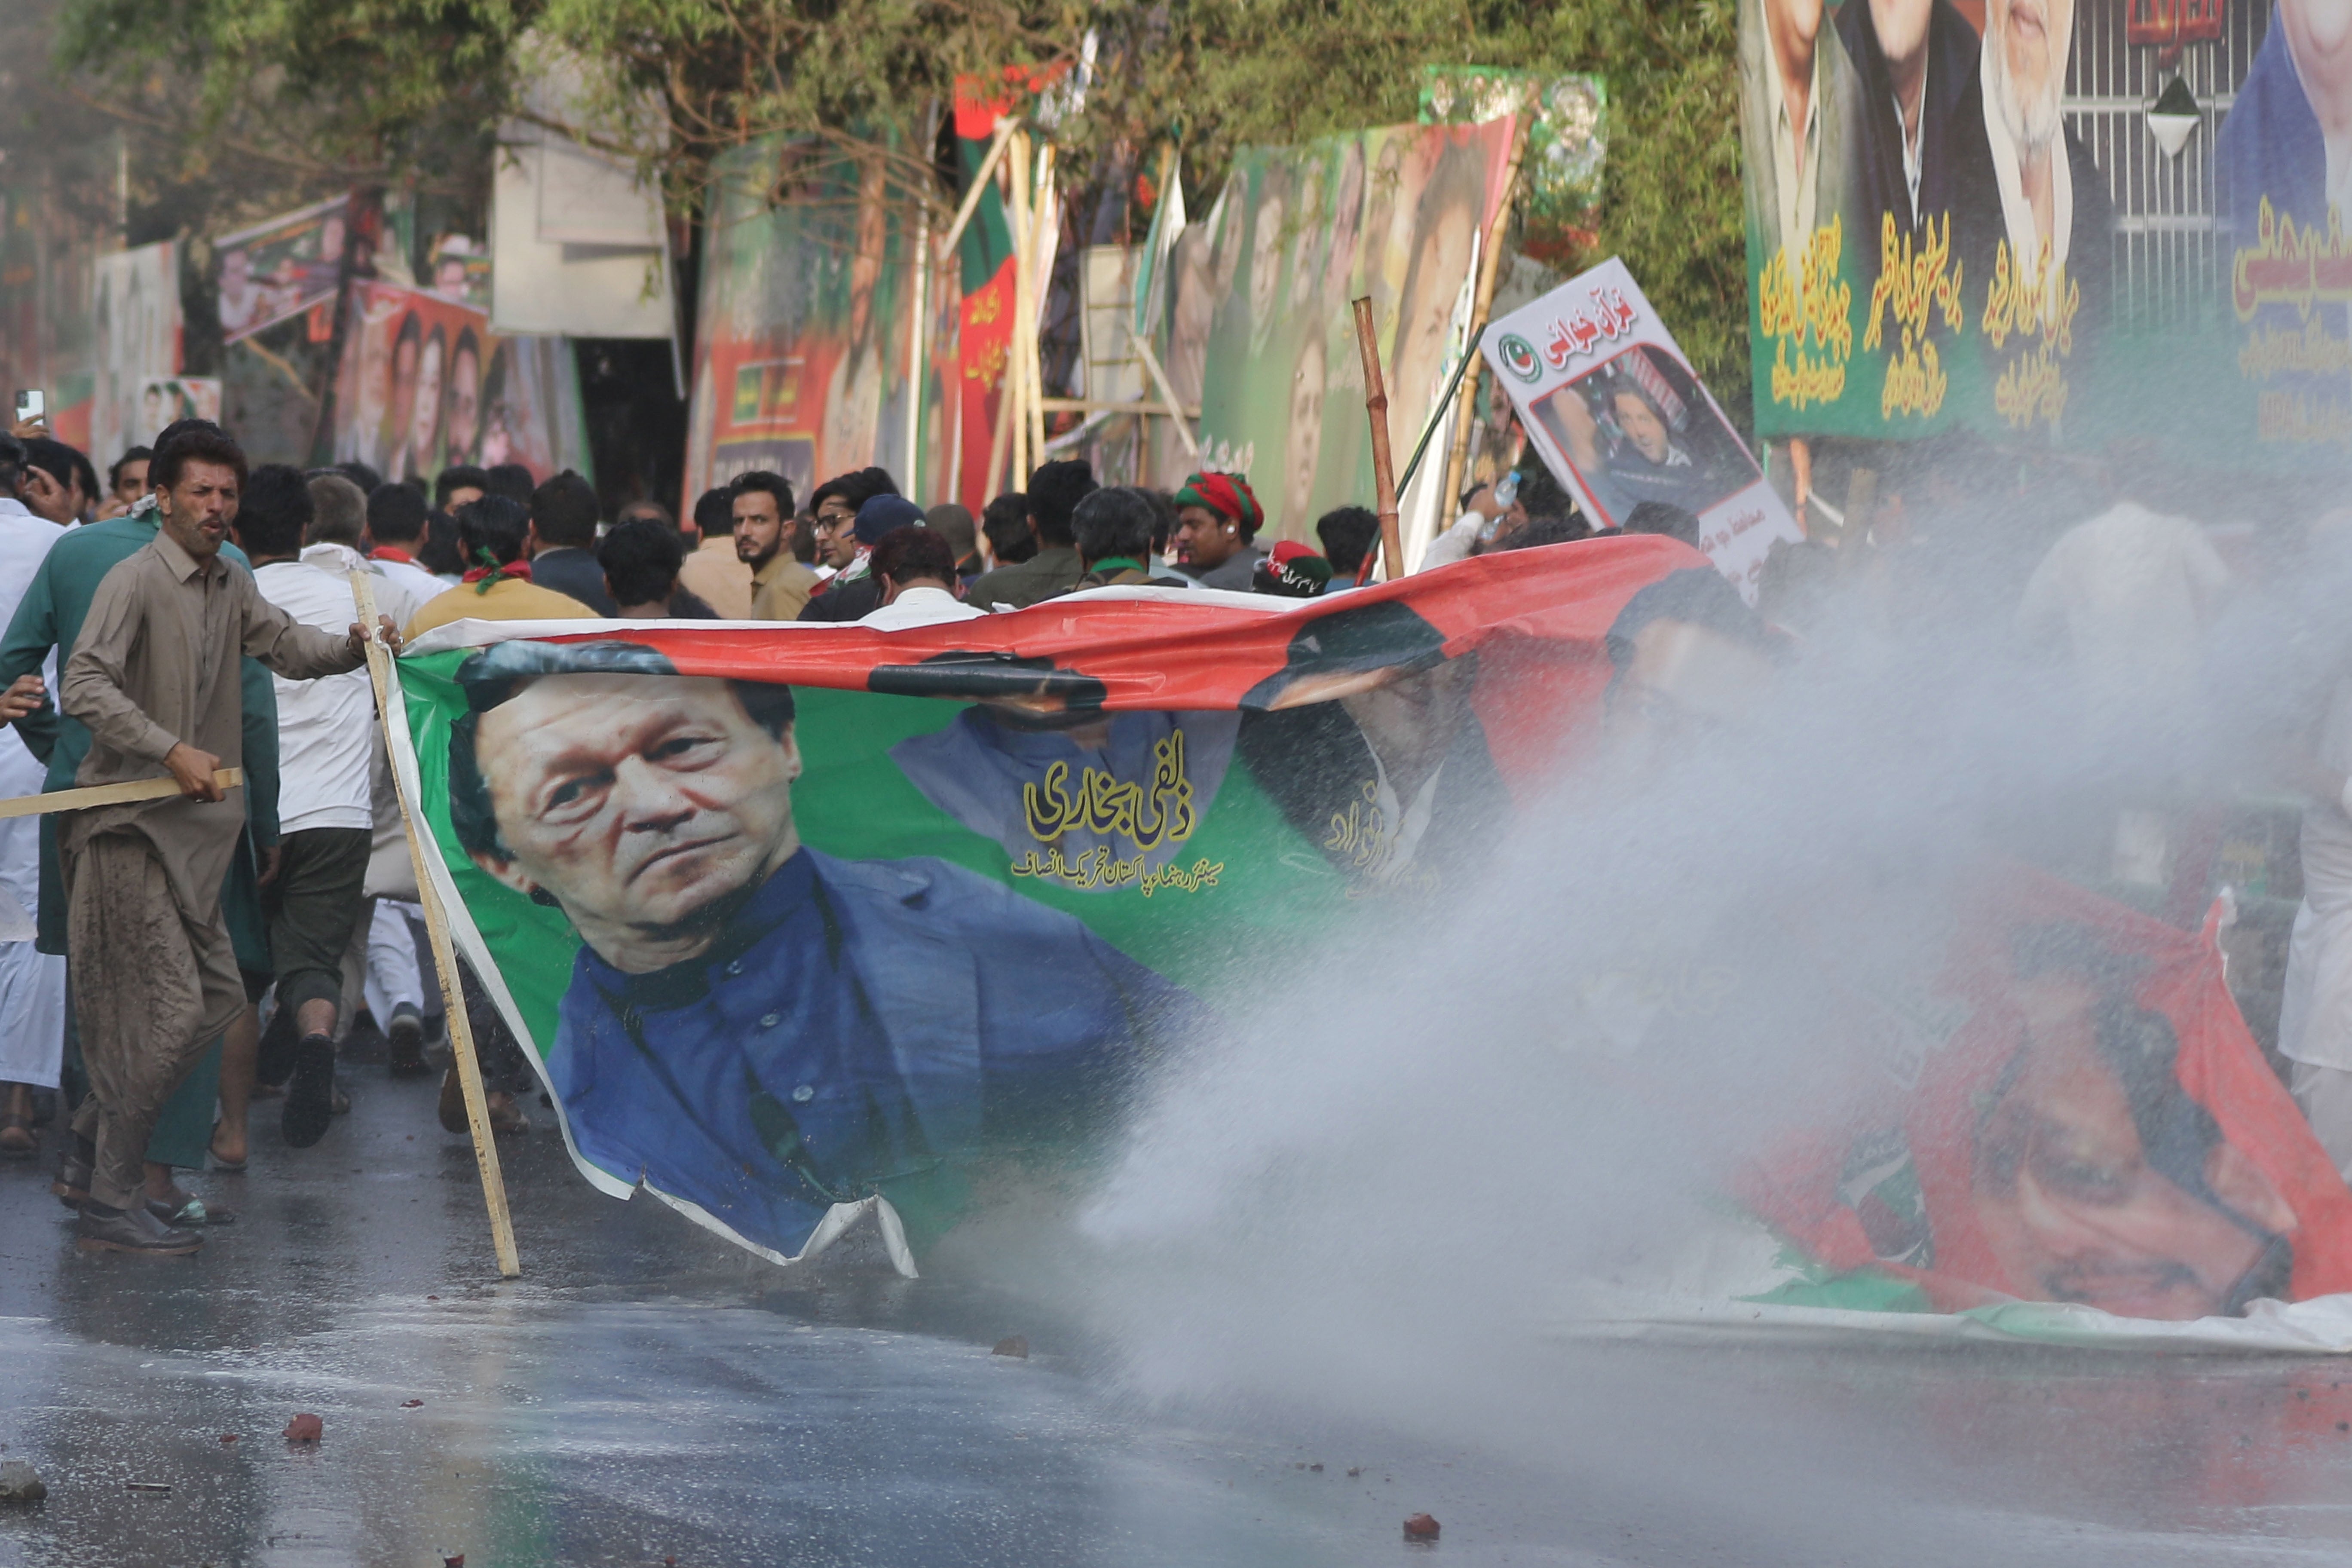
647,1392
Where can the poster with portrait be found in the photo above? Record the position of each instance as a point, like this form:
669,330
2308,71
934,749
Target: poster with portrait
135,322
800,341
164,399
281,269
2050,224
1396,212
2060,1105
1614,410
425,385
931,902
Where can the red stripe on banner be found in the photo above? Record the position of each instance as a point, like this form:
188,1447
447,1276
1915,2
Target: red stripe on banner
1540,619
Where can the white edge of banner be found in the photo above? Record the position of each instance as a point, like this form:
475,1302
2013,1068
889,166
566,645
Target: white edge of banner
2320,1326
830,1228
282,220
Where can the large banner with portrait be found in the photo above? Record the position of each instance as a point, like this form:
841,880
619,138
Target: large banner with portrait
2061,1105
1396,212
2049,223
797,917
801,341
425,385
803,923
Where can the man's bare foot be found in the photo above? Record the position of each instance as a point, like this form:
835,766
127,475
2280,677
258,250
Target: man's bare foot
228,1147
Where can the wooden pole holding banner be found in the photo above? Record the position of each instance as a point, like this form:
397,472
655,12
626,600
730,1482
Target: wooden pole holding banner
108,795
1376,405
1040,276
1004,130
445,959
1017,357
1457,457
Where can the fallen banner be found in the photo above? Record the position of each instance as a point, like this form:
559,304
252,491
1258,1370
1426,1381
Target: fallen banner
803,922
2051,1124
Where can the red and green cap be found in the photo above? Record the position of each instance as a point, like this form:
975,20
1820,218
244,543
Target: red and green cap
1227,495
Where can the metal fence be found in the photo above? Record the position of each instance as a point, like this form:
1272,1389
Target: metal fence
2170,255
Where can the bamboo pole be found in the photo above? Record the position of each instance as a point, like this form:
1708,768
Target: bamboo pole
1376,407
1041,272
970,203
445,959
108,795
1017,356
1457,457
919,340
1167,395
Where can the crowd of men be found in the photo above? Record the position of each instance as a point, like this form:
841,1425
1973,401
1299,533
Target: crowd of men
183,959
180,959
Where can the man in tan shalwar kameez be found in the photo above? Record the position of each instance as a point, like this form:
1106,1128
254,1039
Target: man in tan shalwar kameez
154,678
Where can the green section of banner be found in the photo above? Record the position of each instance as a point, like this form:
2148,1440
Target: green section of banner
1248,893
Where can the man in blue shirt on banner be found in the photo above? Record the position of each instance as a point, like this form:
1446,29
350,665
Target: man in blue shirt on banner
754,1027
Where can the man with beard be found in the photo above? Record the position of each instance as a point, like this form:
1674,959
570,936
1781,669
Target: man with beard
2023,185
1915,59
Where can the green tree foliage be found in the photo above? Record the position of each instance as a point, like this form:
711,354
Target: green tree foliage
1220,74
404,86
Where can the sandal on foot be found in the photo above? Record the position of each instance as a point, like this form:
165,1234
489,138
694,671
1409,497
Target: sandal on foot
72,1186
213,1161
25,1145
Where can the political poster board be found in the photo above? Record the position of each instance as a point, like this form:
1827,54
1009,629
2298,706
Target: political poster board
163,399
135,317
1616,413
425,385
947,894
1397,213
931,907
2055,228
280,268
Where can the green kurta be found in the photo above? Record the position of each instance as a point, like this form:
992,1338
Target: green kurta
50,616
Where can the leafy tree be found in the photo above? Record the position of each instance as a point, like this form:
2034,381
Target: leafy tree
393,88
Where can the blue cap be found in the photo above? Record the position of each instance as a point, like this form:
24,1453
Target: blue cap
883,513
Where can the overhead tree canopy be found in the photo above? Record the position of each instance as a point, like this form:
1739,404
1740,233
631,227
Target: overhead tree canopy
393,89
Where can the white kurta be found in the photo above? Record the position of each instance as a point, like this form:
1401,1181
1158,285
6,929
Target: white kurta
32,985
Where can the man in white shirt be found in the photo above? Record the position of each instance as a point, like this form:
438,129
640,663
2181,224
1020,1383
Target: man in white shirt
395,535
32,985
916,566
326,737
2127,597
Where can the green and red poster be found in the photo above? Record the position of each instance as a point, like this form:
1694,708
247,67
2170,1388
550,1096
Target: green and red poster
795,918
2051,223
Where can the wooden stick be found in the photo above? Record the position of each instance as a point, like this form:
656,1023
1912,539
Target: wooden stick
1017,357
1167,395
1376,406
1096,406
970,203
445,959
1457,456
108,795
1040,281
